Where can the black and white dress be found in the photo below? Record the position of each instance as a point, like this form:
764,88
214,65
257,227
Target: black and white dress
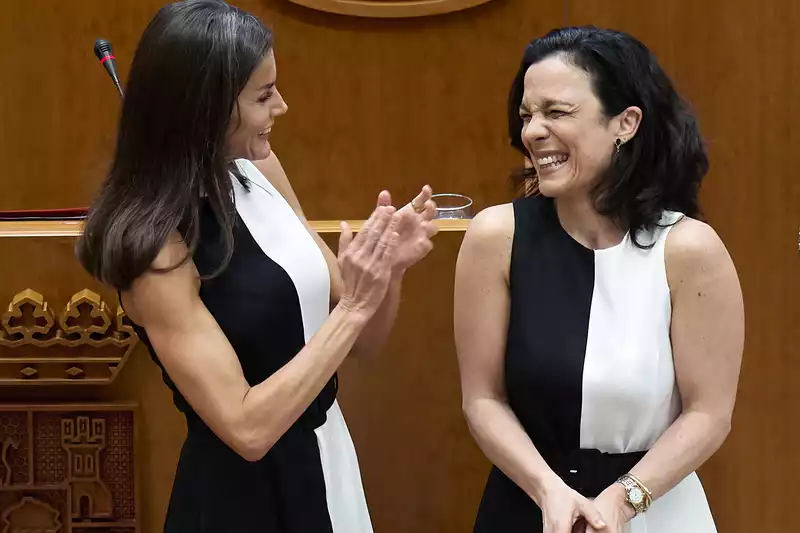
269,302
589,370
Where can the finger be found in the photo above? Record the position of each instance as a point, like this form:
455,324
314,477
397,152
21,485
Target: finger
430,228
384,198
377,229
419,201
430,210
592,515
387,239
345,237
367,226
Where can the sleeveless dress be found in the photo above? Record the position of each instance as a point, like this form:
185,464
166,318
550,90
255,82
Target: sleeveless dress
589,369
270,300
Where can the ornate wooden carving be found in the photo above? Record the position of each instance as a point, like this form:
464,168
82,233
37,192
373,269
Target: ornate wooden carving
68,468
389,8
80,345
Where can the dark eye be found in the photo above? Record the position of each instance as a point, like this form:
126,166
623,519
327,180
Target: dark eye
266,96
556,113
525,117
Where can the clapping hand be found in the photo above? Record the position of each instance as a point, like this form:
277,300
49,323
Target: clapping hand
415,228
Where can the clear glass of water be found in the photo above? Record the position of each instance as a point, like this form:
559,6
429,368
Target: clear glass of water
452,205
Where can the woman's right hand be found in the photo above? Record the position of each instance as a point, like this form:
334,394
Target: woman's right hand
365,262
564,510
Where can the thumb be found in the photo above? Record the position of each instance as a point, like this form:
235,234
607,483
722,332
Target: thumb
592,516
345,237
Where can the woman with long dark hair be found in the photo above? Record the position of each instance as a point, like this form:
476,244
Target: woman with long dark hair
599,323
246,310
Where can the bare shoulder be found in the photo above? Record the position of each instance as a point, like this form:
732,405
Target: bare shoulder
487,241
693,250
493,226
167,287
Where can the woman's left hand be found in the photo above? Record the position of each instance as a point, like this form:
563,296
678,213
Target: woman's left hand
614,509
415,228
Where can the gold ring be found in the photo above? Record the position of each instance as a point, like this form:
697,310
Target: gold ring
417,209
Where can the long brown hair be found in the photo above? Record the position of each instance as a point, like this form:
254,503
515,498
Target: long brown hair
193,60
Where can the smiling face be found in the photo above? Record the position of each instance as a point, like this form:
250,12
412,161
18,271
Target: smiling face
569,138
259,104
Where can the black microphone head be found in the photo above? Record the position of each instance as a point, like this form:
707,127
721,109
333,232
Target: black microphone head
102,48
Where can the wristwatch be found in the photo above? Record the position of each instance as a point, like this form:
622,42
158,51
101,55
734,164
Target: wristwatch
636,494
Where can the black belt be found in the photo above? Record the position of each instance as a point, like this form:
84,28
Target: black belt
590,472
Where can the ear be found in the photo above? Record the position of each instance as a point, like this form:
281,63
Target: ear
628,122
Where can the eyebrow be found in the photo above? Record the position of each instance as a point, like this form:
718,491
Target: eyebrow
547,103
267,86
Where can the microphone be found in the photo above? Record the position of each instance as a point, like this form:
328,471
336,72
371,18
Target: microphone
103,51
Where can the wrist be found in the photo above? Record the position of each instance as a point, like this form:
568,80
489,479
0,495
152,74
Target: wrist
620,498
398,272
544,486
353,313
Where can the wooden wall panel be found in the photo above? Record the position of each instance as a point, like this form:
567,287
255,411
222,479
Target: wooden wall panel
736,62
372,103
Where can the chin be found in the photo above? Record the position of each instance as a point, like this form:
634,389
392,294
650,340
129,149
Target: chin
262,152
552,188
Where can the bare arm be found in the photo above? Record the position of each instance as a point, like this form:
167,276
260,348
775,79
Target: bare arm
201,362
708,339
375,334
481,324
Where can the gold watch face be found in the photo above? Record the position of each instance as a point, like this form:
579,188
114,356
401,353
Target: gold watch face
636,495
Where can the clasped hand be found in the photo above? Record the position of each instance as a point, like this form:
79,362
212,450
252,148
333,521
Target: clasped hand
566,511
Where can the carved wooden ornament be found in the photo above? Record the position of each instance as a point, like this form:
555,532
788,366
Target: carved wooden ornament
68,468
389,8
82,344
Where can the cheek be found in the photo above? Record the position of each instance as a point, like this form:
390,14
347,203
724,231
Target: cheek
594,150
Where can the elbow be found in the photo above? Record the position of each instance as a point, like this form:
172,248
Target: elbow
467,408
249,441
251,447
715,427
473,408
723,428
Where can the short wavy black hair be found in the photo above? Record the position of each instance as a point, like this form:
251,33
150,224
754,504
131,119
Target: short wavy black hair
663,165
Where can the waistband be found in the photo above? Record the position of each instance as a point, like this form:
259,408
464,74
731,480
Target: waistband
590,471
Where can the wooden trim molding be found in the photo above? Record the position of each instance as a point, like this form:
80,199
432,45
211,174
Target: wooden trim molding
73,228
80,345
389,8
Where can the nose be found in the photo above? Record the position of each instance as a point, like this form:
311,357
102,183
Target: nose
280,105
534,130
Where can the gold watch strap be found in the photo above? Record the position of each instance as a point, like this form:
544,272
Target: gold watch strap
631,482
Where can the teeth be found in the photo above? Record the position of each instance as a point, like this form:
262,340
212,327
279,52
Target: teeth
552,159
